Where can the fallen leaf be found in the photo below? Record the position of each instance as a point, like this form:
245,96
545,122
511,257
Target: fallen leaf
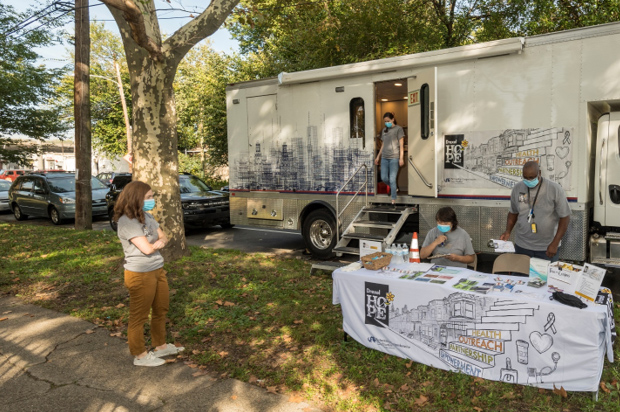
509,395
196,352
229,304
408,365
171,360
376,382
3,319
560,391
477,408
233,397
198,373
223,354
604,387
120,305
117,334
172,292
89,331
7,312
298,321
16,280
427,383
404,387
219,302
253,379
272,389
421,400
478,380
295,399
44,256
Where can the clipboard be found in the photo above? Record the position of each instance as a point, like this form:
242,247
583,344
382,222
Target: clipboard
439,256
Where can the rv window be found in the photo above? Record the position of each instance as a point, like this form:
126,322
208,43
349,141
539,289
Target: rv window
425,110
357,118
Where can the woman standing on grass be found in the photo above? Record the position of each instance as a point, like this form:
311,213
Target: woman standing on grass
145,277
391,154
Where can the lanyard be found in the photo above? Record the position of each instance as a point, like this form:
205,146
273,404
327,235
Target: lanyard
535,198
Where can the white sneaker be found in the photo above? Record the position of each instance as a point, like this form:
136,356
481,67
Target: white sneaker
170,349
149,360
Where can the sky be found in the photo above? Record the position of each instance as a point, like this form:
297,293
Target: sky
169,23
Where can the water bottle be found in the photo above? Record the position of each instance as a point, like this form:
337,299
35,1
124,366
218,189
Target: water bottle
403,253
390,249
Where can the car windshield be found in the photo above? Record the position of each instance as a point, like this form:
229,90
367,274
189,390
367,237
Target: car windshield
191,184
4,185
67,184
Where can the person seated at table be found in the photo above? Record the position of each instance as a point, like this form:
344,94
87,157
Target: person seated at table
448,239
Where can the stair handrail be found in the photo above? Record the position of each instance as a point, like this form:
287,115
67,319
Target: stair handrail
365,185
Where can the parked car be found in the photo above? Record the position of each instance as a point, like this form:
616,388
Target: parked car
52,194
12,174
107,177
4,195
202,206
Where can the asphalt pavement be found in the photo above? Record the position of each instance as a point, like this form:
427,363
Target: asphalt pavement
54,362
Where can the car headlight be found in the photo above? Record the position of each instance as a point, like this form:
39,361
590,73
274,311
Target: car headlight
67,200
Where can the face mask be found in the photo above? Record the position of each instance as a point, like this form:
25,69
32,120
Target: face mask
444,228
531,183
148,205
388,124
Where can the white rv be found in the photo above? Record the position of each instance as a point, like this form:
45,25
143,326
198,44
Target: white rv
301,146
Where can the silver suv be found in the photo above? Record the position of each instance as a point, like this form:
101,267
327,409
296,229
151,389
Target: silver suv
52,195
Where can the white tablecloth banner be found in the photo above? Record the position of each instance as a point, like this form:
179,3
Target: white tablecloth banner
499,336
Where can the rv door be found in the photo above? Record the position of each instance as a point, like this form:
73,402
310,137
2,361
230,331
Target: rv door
607,171
422,129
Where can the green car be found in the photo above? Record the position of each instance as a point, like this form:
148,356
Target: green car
52,194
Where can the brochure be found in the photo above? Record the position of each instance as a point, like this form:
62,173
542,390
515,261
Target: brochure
563,277
538,269
590,282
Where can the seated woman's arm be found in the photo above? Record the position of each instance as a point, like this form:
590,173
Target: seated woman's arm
462,259
426,251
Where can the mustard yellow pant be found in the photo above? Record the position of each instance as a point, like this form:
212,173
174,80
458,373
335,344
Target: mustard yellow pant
147,290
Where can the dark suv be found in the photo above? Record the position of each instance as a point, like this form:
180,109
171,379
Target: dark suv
52,194
201,205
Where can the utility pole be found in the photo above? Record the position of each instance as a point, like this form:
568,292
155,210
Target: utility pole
83,190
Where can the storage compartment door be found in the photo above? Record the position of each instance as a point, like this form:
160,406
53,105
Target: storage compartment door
612,173
422,128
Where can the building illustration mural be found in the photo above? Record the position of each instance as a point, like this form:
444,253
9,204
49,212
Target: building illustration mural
311,163
493,159
474,334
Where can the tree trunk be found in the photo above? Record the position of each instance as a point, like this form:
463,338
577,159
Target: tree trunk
155,154
83,152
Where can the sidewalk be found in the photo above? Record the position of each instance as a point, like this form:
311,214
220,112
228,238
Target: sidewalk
54,362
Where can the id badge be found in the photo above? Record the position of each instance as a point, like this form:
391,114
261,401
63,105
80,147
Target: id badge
533,227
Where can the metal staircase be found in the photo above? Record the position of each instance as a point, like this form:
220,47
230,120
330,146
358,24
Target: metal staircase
381,220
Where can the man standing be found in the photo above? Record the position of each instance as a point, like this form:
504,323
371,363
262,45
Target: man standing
541,213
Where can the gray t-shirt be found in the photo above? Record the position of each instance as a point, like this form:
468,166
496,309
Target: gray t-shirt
458,243
391,144
135,260
550,206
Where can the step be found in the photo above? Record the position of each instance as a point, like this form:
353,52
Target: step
346,249
374,224
385,209
362,236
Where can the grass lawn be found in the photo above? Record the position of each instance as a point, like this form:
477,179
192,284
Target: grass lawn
259,319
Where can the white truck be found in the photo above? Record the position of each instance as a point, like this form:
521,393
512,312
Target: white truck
302,145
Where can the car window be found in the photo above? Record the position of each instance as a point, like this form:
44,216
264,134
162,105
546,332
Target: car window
96,184
191,184
27,185
39,184
4,185
67,184
20,172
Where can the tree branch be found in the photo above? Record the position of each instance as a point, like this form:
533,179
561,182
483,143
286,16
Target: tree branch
200,28
134,17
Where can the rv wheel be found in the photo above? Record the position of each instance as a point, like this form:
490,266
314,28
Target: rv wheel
319,232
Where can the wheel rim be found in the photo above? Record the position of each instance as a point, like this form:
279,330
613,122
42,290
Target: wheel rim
321,234
54,214
17,212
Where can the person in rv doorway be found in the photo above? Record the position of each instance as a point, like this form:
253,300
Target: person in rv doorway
145,277
392,152
539,210
450,243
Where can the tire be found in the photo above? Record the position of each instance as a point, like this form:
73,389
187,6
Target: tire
113,224
55,216
319,232
17,212
226,225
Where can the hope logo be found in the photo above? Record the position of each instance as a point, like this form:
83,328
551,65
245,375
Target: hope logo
453,151
377,305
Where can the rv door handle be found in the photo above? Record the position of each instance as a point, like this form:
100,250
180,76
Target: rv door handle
600,174
429,185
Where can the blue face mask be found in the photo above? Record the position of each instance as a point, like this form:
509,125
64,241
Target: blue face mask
444,228
388,124
531,183
148,205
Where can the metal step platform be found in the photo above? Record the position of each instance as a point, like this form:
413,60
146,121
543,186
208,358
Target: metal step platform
376,222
